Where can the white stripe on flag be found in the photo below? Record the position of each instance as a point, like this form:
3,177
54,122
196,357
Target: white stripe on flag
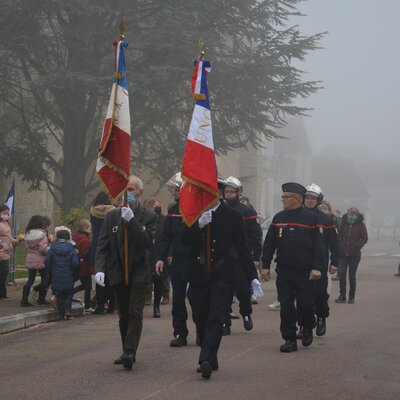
200,130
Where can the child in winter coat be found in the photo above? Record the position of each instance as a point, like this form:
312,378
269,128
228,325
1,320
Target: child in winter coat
63,260
86,270
37,245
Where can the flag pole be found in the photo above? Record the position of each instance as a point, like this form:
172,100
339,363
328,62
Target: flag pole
126,248
208,227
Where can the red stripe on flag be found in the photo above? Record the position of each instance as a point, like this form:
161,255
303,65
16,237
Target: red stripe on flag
199,164
115,183
193,201
117,150
200,190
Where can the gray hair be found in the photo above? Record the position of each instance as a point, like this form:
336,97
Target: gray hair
139,182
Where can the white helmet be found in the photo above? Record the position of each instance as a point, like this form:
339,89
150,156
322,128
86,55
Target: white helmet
175,181
316,191
234,182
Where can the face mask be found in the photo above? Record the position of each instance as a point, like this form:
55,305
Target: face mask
131,197
351,219
5,217
157,210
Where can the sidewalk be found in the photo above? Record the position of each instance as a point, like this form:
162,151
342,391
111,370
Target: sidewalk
13,316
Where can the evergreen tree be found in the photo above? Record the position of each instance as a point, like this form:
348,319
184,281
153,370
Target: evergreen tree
56,64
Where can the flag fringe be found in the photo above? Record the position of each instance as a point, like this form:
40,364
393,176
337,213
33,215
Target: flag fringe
104,186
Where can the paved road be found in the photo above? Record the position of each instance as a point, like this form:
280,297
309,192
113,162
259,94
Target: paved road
358,359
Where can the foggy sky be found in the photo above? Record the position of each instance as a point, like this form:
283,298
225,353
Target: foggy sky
360,70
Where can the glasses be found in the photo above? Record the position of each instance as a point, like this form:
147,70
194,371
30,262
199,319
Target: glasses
285,196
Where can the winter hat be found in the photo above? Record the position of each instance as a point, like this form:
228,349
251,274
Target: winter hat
62,228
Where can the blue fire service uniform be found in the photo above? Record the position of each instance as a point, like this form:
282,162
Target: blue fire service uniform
293,234
254,237
210,292
170,244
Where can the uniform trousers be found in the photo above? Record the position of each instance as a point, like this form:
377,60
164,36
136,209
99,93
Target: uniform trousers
295,286
210,304
179,287
321,296
242,290
130,303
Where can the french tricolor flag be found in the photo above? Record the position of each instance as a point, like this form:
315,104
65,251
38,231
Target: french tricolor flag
199,170
114,153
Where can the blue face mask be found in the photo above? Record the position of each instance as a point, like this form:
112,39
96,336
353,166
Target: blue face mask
351,219
131,197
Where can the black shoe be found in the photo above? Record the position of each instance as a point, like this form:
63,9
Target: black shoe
43,302
213,367
340,300
156,312
226,330
206,370
300,333
247,323
307,337
26,304
289,346
127,360
321,326
118,361
179,341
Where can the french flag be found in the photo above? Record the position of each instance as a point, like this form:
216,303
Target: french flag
10,200
114,153
199,170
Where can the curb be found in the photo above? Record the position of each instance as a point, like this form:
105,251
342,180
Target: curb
12,323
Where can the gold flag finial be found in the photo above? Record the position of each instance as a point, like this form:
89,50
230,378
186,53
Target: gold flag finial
201,45
122,30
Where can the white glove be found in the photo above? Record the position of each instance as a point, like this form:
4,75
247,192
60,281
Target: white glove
257,290
127,214
99,278
205,219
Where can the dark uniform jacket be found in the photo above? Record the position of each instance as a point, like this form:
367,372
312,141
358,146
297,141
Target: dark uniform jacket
228,236
170,243
110,246
330,240
352,237
253,230
293,234
157,237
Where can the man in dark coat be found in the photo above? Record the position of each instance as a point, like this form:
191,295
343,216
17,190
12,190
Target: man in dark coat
330,246
211,286
140,226
170,244
293,234
231,193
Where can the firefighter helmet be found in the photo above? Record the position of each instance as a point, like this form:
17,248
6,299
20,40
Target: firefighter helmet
316,191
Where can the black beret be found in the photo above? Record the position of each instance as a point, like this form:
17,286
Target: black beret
294,187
